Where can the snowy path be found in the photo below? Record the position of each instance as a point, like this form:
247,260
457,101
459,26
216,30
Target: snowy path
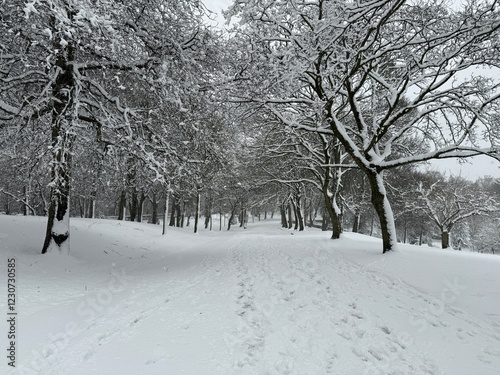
255,301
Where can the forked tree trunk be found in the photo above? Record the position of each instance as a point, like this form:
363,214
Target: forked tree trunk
383,209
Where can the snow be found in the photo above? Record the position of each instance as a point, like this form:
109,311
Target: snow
257,301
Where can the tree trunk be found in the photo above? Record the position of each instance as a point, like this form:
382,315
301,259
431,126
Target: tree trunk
295,216
242,215
324,222
405,234
357,218
121,205
167,197
63,114
284,223
208,212
290,221
197,212
445,239
81,207
300,216
132,205
154,205
26,201
172,213
140,206
383,210
333,213
229,222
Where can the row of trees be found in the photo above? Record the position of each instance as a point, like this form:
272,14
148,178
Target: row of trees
383,84
313,108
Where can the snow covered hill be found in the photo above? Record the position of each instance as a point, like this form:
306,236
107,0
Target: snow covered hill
254,301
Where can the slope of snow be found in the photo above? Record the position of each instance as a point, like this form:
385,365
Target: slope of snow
256,301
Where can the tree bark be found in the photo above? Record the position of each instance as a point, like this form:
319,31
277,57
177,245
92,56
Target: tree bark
357,218
445,239
140,206
172,212
197,212
333,214
63,114
284,222
133,203
296,216
383,210
121,205
167,198
154,205
229,222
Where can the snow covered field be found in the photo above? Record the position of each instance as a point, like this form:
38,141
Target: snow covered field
254,301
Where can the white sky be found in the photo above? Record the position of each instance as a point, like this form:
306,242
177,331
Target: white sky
474,168
217,6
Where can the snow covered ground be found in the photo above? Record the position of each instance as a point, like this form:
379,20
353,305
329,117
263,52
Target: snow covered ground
254,301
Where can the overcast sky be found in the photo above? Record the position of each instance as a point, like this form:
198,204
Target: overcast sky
476,167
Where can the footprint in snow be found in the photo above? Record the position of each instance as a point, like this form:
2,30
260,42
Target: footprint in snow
385,330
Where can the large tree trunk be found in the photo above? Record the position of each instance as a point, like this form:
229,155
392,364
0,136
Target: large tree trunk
333,213
445,239
57,233
383,210
63,114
